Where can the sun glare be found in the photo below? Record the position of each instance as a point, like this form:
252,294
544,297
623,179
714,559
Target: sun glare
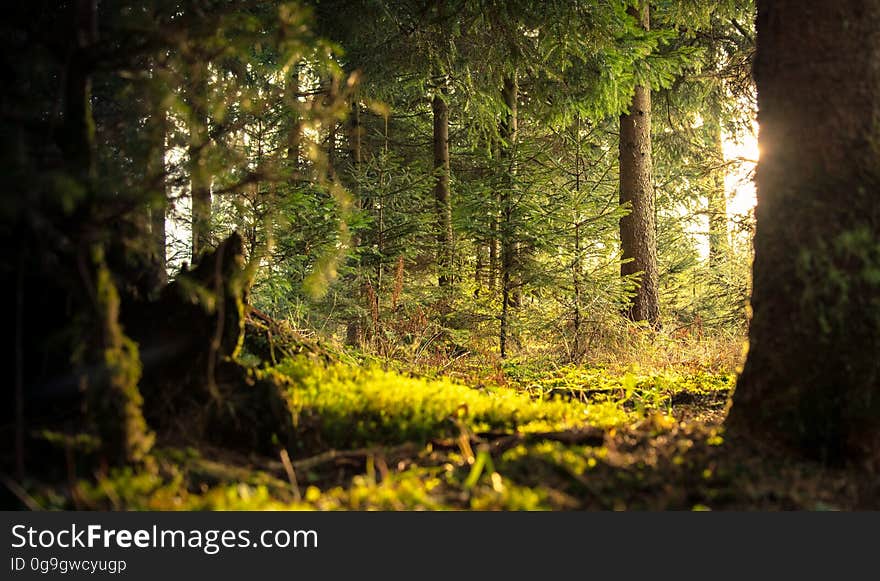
739,183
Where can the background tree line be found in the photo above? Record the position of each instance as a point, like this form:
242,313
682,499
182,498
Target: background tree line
405,176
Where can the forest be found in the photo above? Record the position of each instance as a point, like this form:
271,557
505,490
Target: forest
441,255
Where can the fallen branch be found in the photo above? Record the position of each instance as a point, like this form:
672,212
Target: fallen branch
584,436
407,449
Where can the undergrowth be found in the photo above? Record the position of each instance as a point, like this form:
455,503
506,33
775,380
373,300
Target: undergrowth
520,435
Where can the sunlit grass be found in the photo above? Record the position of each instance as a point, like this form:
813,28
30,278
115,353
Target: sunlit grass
367,411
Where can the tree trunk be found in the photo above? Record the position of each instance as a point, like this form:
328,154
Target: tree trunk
355,132
719,237
577,266
508,248
493,239
812,377
330,88
77,132
159,195
294,132
113,366
479,266
441,190
354,326
157,234
637,237
332,137
200,180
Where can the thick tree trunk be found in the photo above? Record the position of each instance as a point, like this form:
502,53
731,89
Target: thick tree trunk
812,377
441,191
200,179
113,366
508,236
637,236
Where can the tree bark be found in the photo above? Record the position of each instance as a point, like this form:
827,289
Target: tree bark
330,88
441,190
355,325
200,180
637,236
294,132
159,195
113,365
77,132
479,266
355,133
494,230
812,377
508,245
719,236
577,266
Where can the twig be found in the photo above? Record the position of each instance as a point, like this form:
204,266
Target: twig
451,361
587,436
291,474
20,493
332,455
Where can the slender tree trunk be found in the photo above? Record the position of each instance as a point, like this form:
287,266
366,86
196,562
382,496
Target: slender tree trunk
441,190
355,324
294,133
508,236
332,135
637,236
159,197
77,133
492,275
719,237
200,179
479,266
330,88
812,376
494,232
355,132
157,234
577,266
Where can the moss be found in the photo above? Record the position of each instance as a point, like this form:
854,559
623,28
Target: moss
646,459
114,401
342,406
840,282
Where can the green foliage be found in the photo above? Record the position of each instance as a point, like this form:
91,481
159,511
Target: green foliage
311,125
373,416
576,67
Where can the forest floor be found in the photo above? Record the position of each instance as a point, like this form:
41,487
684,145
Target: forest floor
522,434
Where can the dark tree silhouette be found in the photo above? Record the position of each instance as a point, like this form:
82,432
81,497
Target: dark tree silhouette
812,377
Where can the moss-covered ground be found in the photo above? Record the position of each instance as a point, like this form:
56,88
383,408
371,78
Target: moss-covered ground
517,435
